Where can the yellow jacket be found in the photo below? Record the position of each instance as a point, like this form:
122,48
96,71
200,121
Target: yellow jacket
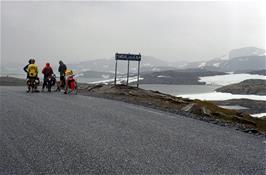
32,70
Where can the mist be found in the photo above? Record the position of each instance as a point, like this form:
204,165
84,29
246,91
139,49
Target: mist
171,31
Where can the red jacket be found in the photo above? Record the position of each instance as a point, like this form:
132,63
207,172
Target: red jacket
47,71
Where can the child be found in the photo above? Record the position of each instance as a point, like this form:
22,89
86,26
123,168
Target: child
71,84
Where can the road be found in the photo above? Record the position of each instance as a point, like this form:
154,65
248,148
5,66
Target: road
53,133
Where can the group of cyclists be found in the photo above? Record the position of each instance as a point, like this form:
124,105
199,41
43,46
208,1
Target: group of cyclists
67,81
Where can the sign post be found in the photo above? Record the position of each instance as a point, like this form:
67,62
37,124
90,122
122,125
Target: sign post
127,57
115,70
127,71
138,74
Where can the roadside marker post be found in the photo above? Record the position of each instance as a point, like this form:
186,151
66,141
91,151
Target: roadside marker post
127,57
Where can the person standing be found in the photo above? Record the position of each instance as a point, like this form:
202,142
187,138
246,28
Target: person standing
32,69
33,74
26,68
62,69
47,71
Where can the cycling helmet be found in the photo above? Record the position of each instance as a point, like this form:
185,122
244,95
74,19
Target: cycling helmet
68,72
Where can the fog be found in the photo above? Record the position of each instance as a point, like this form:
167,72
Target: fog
171,31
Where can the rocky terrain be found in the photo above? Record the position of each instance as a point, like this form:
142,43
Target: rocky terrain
198,109
251,86
184,77
252,106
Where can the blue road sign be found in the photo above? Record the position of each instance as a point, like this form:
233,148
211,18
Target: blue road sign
130,57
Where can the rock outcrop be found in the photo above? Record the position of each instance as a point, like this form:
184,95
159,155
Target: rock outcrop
251,86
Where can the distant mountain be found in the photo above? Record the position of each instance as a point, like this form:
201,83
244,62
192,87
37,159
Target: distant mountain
96,74
245,63
246,51
259,72
239,60
147,64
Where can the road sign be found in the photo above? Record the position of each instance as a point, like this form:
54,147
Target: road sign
130,57
127,57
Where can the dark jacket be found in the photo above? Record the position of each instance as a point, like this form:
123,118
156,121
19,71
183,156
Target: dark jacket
62,68
26,68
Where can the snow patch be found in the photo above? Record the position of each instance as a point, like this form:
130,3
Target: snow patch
216,64
258,115
147,65
182,65
219,96
229,79
162,76
119,80
237,107
202,64
225,57
105,76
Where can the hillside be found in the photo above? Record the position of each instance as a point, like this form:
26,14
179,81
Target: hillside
238,60
246,51
259,72
251,86
96,74
148,63
184,77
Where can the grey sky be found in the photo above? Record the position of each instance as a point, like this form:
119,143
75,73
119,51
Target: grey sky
172,31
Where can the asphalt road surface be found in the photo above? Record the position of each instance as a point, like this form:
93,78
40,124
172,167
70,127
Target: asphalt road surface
53,133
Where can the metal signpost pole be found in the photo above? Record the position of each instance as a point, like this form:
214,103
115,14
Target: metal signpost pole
138,74
115,70
127,71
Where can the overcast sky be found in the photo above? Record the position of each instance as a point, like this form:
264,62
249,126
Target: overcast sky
171,31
